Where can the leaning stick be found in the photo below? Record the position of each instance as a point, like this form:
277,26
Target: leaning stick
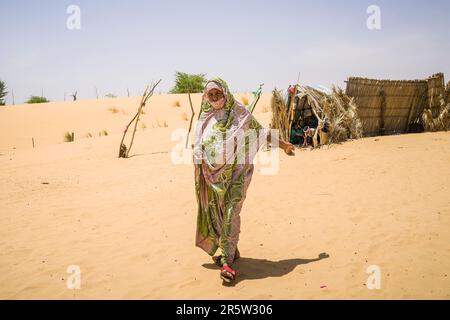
123,148
150,93
123,152
192,118
138,114
256,96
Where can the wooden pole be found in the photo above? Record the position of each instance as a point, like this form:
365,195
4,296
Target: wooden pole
192,118
256,96
411,107
382,112
291,112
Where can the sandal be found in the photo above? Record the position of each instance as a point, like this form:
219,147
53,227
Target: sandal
227,274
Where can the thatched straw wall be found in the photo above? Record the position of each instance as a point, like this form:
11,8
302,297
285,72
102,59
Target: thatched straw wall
391,106
387,106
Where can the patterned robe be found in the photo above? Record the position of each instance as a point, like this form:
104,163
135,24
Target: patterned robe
226,141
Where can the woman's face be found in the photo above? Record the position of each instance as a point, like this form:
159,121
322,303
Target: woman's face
216,98
215,95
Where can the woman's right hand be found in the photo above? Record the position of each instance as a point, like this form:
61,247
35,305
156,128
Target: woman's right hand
288,148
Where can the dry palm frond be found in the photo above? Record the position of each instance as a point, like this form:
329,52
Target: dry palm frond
441,122
336,109
280,115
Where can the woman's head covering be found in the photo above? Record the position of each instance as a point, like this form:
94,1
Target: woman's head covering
218,130
212,85
221,85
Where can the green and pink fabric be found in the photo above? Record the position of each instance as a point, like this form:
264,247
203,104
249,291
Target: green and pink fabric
226,141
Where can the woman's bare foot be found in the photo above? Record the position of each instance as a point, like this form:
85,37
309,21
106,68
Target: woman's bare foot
218,259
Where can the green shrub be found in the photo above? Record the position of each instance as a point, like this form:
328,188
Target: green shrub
188,82
37,99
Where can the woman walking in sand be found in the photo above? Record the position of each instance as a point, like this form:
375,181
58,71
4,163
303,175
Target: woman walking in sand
225,145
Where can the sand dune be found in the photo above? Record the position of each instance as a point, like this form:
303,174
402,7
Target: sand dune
129,224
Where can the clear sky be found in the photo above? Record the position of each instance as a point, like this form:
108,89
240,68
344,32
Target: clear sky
130,43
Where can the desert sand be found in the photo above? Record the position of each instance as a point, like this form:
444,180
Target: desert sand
129,224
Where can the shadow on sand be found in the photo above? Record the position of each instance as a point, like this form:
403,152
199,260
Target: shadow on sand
147,154
253,269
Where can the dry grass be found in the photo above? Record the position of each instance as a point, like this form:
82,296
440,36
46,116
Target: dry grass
104,132
143,126
113,110
184,116
143,111
244,101
265,109
88,135
177,104
68,137
162,124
